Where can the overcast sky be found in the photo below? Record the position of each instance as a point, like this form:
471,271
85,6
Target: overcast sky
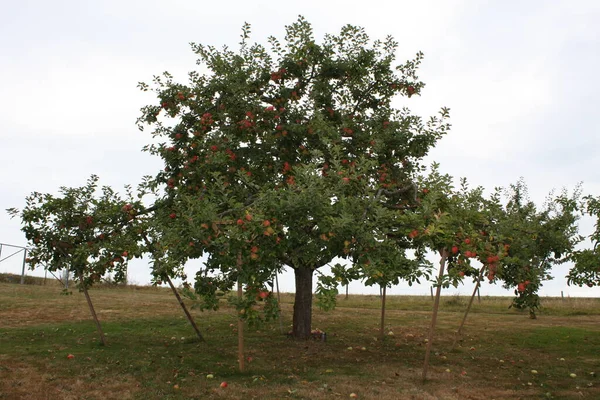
519,77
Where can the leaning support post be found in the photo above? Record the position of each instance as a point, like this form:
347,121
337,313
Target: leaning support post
436,306
278,304
185,310
91,306
476,290
175,292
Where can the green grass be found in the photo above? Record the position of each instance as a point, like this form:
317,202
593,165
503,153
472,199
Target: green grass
152,352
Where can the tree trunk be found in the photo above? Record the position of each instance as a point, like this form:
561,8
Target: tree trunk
91,306
347,291
382,327
303,302
185,310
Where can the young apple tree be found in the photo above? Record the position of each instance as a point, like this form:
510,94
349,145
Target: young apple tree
460,225
537,240
586,268
88,233
302,137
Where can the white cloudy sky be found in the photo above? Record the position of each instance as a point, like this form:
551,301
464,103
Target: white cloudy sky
520,79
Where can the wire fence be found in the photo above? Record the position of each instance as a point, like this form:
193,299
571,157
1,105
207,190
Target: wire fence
13,260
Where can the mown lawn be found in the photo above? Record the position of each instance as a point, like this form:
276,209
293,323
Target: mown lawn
152,352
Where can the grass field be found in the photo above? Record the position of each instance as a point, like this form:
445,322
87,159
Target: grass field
152,352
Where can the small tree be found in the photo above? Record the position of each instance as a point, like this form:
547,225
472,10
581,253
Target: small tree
586,268
538,240
87,233
344,274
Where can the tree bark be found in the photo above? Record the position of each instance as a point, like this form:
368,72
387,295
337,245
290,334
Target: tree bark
381,328
91,306
185,310
303,302
347,291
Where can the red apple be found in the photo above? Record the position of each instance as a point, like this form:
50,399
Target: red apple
223,385
172,215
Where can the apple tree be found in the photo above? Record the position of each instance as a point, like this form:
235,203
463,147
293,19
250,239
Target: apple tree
537,240
88,233
586,268
301,136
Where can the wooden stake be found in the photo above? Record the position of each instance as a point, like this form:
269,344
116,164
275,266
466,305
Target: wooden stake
436,306
91,306
181,303
240,324
382,327
185,310
279,304
476,290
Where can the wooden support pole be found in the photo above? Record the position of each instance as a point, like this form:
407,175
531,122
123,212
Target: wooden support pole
181,303
476,290
185,310
279,304
240,294
436,306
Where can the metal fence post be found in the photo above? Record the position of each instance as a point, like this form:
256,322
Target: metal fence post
23,270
